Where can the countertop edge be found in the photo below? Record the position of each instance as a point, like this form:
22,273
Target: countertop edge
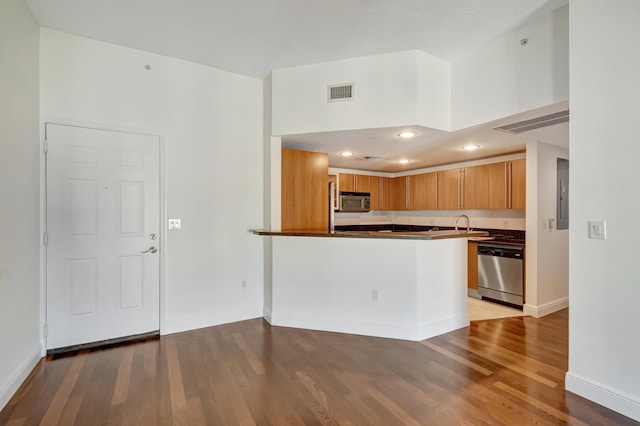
434,235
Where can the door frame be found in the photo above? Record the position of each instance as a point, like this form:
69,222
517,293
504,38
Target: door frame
160,134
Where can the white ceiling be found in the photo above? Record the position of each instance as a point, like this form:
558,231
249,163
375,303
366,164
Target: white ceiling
430,147
252,37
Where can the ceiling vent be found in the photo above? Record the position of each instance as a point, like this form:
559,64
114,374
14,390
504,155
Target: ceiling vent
536,123
340,92
371,158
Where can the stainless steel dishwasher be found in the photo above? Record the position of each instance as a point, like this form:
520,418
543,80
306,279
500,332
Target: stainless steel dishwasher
501,273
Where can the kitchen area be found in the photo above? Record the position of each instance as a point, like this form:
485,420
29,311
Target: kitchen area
413,162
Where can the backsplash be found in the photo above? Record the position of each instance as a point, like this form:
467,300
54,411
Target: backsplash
493,219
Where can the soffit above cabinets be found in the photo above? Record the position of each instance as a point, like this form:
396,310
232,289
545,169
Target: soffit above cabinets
430,147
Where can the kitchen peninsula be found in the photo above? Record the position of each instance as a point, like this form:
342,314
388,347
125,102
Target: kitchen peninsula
404,285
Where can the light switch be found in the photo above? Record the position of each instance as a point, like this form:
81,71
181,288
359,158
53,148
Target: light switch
174,224
598,230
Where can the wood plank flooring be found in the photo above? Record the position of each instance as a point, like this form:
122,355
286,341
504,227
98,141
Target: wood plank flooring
499,372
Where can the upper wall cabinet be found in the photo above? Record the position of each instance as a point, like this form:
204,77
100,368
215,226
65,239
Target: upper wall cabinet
448,189
390,90
486,187
348,182
423,192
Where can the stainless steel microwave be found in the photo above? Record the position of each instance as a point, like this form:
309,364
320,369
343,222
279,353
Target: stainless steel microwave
354,202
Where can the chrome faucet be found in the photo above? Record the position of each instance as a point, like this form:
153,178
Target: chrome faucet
457,218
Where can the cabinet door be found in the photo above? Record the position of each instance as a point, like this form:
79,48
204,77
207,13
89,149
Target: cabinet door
475,187
422,191
374,189
305,190
386,194
448,196
346,182
363,183
399,193
472,264
518,184
498,197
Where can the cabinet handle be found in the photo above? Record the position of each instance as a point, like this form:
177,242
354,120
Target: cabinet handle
510,176
461,189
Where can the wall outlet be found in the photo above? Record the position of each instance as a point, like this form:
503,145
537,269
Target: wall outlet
375,295
175,224
243,283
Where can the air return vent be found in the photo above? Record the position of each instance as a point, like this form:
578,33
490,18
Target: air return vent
340,92
536,123
371,158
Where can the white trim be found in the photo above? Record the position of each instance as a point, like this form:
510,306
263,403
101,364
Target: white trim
210,320
375,329
546,308
160,134
22,372
604,395
267,315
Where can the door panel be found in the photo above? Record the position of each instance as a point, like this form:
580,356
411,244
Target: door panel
103,203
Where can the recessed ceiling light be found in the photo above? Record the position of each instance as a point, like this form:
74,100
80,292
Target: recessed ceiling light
407,135
470,147
403,161
346,154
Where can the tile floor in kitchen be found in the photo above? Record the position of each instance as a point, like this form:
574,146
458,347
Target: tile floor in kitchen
483,310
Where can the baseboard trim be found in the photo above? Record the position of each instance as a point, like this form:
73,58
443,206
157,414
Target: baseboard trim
266,314
386,330
603,395
210,320
22,372
546,308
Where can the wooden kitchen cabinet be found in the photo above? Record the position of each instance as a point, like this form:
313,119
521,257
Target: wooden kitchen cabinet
346,182
423,192
374,189
507,184
349,182
498,185
399,193
305,190
386,190
474,183
472,264
518,176
363,183
448,189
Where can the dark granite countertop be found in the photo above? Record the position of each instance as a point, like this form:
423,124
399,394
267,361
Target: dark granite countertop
383,234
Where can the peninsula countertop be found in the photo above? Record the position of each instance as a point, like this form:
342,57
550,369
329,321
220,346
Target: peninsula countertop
410,235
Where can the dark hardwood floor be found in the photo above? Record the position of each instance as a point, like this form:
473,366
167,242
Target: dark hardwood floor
498,372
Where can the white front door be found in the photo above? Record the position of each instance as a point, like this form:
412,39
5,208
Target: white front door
103,216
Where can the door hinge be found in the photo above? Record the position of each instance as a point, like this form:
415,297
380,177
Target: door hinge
45,238
46,330
46,146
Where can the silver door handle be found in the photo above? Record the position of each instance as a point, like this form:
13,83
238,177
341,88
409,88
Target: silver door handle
151,249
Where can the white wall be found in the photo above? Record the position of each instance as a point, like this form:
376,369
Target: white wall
19,197
387,91
547,256
211,122
504,78
604,283
319,284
